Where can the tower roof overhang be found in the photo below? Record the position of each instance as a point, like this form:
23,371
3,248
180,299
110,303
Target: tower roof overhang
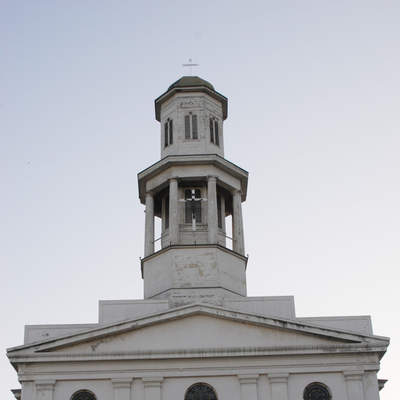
195,86
193,159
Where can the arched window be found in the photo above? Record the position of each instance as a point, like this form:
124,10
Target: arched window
168,132
191,126
200,391
83,395
214,134
316,391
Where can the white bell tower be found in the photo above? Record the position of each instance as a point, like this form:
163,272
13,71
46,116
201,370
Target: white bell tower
193,188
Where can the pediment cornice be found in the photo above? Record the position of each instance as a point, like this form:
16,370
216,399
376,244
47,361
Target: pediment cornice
342,338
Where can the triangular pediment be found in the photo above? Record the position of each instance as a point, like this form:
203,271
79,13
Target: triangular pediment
198,332
197,329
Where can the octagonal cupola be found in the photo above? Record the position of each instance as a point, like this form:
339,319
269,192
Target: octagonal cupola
191,113
191,194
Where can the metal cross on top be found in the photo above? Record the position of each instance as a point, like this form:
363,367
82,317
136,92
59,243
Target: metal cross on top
190,64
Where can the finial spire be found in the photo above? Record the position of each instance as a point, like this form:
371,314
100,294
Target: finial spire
190,64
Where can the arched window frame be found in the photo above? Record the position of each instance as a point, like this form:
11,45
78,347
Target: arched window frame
191,127
87,395
168,132
315,386
214,131
187,393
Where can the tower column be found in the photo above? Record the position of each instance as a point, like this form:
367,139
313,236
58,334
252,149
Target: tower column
149,225
237,221
173,211
212,218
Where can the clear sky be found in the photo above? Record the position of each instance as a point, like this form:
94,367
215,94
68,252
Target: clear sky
313,89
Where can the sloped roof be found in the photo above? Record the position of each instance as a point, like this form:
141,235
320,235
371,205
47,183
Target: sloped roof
190,84
98,343
190,81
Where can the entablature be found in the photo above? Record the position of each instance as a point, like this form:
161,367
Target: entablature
198,166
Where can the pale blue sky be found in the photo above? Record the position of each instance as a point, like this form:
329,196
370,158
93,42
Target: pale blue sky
313,89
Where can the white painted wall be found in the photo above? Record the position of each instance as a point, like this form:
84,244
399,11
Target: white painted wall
169,380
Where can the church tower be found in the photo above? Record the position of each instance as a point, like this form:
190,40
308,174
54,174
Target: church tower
196,335
193,189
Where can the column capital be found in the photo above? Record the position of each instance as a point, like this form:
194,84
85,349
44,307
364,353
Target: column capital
356,375
119,383
173,178
278,378
248,378
45,384
211,177
152,381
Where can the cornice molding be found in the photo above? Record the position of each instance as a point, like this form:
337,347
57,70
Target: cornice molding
191,159
294,365
199,353
367,343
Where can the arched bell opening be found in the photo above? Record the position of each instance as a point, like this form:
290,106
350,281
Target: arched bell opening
161,220
189,211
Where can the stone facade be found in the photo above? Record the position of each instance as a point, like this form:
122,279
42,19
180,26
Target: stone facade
204,107
196,324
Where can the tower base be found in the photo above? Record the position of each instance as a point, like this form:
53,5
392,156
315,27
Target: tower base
186,273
